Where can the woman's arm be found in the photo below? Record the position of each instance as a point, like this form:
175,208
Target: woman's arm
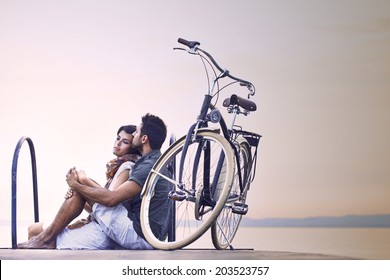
120,179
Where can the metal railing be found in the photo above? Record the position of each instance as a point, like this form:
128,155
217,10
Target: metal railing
14,183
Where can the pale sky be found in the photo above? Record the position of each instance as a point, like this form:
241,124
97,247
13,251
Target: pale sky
72,72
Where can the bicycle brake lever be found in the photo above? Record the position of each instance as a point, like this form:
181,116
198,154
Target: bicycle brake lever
190,51
249,87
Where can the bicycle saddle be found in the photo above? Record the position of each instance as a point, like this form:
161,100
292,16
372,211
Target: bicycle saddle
240,101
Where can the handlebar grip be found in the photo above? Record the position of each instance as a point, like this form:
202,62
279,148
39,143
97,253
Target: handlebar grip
190,44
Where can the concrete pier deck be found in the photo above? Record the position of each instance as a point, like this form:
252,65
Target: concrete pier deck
184,254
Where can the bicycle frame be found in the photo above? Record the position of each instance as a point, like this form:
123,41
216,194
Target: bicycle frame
229,133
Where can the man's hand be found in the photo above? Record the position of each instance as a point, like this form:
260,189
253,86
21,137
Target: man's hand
69,193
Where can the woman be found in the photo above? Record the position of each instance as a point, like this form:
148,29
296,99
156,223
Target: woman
118,171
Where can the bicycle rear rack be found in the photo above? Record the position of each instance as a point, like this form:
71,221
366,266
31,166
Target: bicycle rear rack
14,181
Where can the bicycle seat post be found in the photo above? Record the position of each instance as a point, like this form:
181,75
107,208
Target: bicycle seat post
235,111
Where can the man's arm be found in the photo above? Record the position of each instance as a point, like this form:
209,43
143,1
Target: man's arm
125,191
83,179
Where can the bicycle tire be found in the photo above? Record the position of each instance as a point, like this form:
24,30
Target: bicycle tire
225,228
187,228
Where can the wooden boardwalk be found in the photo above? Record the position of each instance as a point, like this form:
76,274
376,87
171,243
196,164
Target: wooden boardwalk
184,254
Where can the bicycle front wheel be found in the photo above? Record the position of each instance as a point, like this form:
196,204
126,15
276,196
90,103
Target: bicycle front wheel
207,176
225,228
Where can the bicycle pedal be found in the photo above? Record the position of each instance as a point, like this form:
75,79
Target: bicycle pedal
240,208
177,195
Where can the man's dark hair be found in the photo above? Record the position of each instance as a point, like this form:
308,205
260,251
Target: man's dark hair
155,129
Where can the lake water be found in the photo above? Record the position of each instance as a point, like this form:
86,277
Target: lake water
363,243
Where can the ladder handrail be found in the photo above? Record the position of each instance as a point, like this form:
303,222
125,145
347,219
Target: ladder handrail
14,179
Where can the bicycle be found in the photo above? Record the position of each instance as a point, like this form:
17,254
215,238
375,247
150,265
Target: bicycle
210,169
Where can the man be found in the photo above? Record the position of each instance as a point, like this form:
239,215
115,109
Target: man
115,213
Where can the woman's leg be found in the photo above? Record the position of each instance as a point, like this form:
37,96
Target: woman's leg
70,209
35,229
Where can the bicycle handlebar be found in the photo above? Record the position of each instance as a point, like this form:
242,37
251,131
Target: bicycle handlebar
190,44
193,45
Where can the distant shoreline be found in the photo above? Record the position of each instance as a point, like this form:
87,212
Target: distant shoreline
350,221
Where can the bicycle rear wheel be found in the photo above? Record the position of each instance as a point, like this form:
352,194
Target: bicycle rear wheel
195,209
228,221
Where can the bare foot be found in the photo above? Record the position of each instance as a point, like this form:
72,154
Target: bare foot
36,242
